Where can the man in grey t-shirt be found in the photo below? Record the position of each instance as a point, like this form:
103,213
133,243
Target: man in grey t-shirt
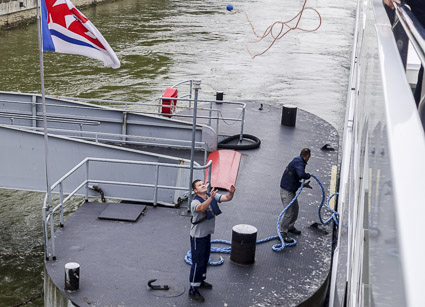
204,209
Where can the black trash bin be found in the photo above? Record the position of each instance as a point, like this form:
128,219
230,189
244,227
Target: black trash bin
289,115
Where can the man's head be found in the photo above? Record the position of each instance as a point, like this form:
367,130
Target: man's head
199,187
305,154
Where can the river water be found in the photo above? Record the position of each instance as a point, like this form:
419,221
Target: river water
160,43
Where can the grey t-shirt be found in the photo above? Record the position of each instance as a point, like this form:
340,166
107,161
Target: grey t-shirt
206,227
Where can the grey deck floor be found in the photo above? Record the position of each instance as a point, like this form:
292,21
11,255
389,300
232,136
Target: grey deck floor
118,258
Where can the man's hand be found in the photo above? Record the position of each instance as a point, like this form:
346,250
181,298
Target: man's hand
229,196
390,3
307,185
213,192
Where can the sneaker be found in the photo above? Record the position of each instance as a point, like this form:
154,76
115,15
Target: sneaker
294,231
206,285
286,238
196,296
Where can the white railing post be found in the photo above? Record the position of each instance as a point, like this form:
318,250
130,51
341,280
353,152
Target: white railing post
52,233
34,110
197,87
87,180
242,124
61,203
210,114
190,93
159,106
155,196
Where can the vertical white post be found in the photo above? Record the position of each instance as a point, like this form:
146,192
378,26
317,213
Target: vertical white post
196,87
46,140
87,180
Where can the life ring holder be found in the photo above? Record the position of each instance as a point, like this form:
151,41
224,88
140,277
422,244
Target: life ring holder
255,144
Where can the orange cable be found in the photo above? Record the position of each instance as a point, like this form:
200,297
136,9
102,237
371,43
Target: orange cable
269,30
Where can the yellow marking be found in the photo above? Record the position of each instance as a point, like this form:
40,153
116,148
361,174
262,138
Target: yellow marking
332,187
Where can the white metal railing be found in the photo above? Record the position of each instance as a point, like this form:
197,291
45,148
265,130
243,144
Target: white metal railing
49,210
416,35
123,139
377,191
216,116
413,29
185,99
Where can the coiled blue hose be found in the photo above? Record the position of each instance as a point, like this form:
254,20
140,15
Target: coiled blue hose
279,246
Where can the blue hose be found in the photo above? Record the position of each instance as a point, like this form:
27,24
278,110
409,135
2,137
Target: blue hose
279,246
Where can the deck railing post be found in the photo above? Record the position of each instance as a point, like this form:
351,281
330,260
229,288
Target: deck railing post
34,110
45,230
190,93
242,124
159,106
155,196
87,180
196,87
210,114
61,203
52,232
209,176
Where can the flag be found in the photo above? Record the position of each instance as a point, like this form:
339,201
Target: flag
66,30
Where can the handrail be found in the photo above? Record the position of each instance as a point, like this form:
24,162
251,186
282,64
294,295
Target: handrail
159,107
413,29
217,113
124,138
416,34
48,212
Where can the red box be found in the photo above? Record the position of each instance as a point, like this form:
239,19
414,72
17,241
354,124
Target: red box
169,105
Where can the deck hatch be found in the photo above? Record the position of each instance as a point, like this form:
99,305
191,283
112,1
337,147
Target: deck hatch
122,212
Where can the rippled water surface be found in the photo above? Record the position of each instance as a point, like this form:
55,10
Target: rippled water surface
160,43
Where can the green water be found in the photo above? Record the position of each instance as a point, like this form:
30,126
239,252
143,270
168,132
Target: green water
160,43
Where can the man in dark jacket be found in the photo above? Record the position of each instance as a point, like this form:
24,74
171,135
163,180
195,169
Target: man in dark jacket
289,184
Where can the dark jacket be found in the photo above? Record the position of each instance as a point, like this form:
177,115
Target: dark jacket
294,172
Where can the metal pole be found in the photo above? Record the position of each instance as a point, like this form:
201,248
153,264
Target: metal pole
210,114
209,176
196,87
190,93
43,100
87,180
155,195
242,124
61,203
159,106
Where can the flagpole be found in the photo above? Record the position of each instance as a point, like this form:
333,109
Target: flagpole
46,138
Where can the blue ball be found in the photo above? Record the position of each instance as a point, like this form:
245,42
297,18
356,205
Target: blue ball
229,7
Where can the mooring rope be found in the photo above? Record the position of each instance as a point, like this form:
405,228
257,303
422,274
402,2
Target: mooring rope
334,216
279,246
281,33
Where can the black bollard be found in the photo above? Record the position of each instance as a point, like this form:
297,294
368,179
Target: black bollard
244,238
289,115
72,276
219,97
